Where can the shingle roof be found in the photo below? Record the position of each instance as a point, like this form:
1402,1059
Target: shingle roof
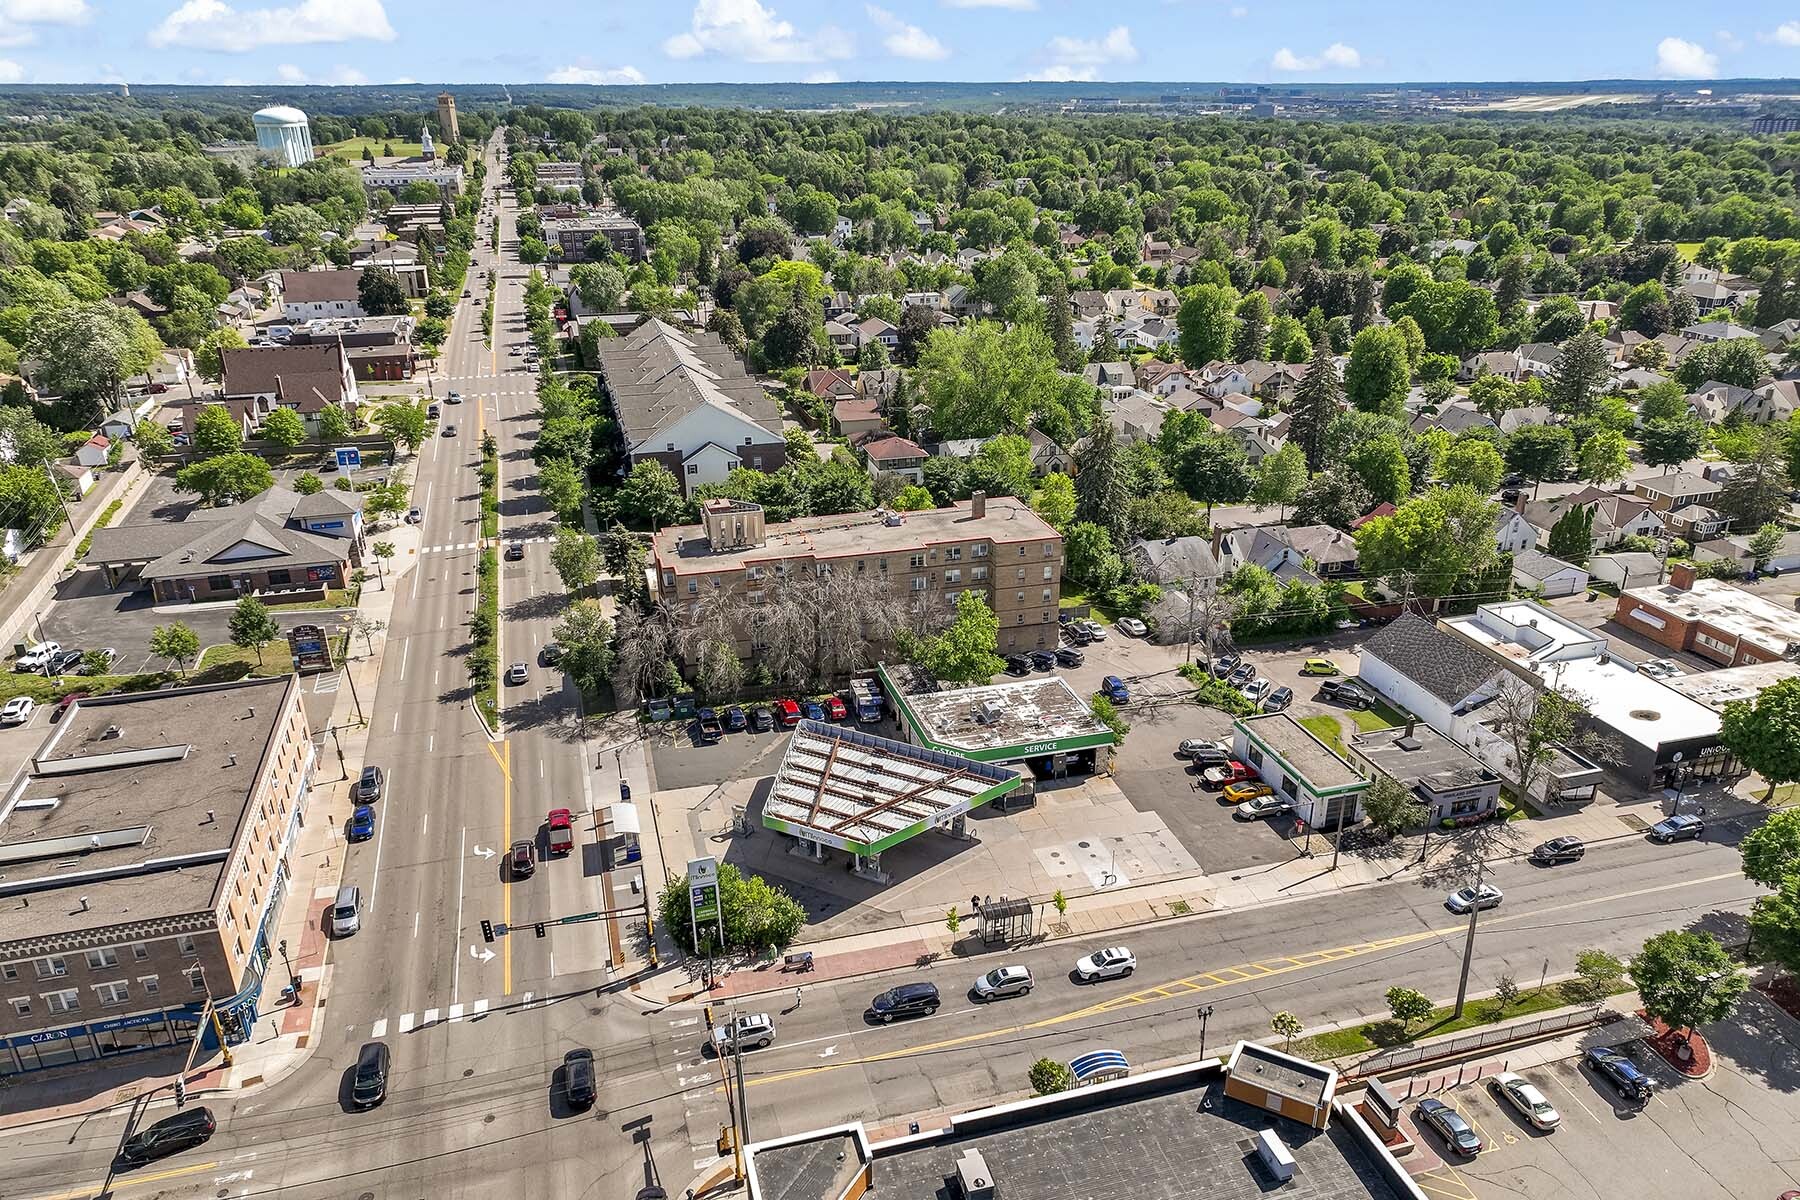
1174,559
306,376
1443,665
1535,564
313,287
658,374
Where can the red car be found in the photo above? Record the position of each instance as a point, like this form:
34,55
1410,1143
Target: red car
562,831
787,713
1232,772
835,709
65,704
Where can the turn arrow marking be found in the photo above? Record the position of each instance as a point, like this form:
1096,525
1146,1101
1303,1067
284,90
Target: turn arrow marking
482,851
480,953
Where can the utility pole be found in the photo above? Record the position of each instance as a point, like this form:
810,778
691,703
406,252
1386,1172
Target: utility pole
1462,984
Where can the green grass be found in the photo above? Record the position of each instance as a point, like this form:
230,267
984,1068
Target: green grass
1387,1033
490,496
1328,730
484,648
1687,250
334,598
1378,715
353,148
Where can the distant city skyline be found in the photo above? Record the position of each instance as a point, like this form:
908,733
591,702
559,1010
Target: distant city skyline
1281,42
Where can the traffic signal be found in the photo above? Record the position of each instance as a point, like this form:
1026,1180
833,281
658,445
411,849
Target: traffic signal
487,930
540,928
180,1091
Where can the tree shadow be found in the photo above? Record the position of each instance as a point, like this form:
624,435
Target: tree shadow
1453,859
544,605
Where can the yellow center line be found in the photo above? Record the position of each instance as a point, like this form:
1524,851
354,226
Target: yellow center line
503,757
131,1181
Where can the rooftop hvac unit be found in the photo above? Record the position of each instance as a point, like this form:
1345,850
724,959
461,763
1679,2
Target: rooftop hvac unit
988,710
973,1179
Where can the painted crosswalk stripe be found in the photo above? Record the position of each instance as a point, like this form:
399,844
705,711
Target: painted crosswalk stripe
380,1029
431,1015
406,1023
481,1006
456,1012
684,1023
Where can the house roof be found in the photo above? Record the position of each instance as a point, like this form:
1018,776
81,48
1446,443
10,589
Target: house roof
306,376
1323,544
658,374
892,449
1535,564
318,287
328,504
193,547
1176,559
1446,666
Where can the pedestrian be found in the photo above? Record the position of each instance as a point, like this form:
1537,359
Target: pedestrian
796,999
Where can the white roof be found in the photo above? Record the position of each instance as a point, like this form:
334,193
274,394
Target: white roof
1639,708
279,114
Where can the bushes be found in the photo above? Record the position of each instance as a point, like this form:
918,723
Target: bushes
484,650
1216,693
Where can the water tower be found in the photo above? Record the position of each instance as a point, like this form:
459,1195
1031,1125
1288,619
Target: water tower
285,133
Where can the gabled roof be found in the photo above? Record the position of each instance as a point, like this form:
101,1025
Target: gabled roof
892,448
658,374
1535,564
1446,666
328,504
307,377
1173,560
318,287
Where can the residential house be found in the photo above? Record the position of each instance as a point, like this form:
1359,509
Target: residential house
1185,562
1163,378
879,387
1626,569
1384,509
1160,302
1713,401
1513,534
1676,490
1504,363
1331,553
841,337
1267,546
1538,359
1772,403
894,455
855,418
1722,331
256,380
1737,550
1047,456
831,383
1616,516
1515,419
308,295
402,259
1274,382
1547,575
1696,522
877,330
1137,415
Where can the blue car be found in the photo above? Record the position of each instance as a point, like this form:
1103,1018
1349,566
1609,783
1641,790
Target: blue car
813,709
1115,690
735,720
362,823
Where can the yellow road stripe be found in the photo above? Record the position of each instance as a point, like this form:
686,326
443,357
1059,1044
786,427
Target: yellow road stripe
131,1181
503,758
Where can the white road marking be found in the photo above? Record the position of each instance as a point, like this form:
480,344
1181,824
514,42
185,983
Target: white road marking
430,742
481,1006
684,1023
380,837
415,924
540,768
424,824
553,964
405,649
431,1015
456,1012
688,1081
380,1029
396,728
406,1022
828,1051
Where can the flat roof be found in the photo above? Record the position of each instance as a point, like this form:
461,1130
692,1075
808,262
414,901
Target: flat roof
1040,714
1283,1074
1716,689
685,550
1636,706
1170,1136
1731,610
1421,755
858,792
134,802
1295,745
1526,633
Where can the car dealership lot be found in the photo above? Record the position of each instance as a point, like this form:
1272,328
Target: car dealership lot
1732,1136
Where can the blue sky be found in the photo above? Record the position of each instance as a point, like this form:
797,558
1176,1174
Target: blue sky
672,41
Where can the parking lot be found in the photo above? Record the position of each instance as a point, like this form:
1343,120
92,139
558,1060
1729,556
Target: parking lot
1732,1136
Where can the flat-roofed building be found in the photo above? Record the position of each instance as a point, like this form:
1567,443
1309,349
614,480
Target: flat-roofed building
1711,618
1451,783
921,562
1326,791
145,859
574,232
1039,722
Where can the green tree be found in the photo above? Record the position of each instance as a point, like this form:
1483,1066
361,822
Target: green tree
1333,497
1473,462
1211,467
284,427
1771,851
1054,500
1580,373
216,431
1208,324
1002,467
1455,317
176,643
1756,493
576,557
1279,478
650,496
1391,807
1572,536
872,357
334,424
208,356
1604,457
600,285
226,477
1739,362
1287,1026
1765,543
1671,441
1381,464
252,627
1408,1005
384,553
1059,323
87,351
1437,539
153,441
585,638
1597,976
1048,1077
1101,487
1687,979
379,293
1645,309
1252,339
559,482
402,422
1379,372
1775,923
1540,452
965,651
757,915
1764,733
1316,401
1091,558
981,381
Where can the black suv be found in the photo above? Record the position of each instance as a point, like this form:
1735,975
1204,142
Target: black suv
907,1000
1069,656
368,1087
1018,664
171,1135
1042,660
368,787
578,1077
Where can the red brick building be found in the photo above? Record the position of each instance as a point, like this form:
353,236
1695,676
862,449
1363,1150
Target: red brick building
1714,620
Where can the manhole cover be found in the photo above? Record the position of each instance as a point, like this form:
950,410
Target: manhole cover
1082,845
468,1072
488,1120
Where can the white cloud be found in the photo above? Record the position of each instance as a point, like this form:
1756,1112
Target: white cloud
1677,58
595,75
1015,5
289,73
1731,42
1062,73
215,25
1336,56
744,29
338,76
1239,11
1115,47
18,16
10,71
1786,34
824,77
403,81
906,41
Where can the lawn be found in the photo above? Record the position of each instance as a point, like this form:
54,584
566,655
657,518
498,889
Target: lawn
1687,250
354,147
1327,729
334,598
1388,1033
1330,729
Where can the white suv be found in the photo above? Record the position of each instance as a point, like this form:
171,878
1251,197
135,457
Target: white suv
37,657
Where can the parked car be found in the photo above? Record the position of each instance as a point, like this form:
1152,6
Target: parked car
1347,692
171,1135
1002,982
369,785
559,830
104,658
1256,689
1278,699
1270,805
1450,1126
736,720
743,1031
1132,627
907,1000
1318,666
521,860
658,708
835,709
1250,789
1068,656
1191,746
787,713
63,662
17,711
1018,664
813,709
517,673
362,824
708,725
515,551
1231,772
1115,690
1077,635
1465,898
37,657
761,719
414,516
1114,962
1241,674
579,1087
1095,630
1224,665
64,705
1660,668
1679,828
1559,850
1523,1095
1623,1074
1042,660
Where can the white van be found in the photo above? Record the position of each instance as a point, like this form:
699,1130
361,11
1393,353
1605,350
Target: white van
346,911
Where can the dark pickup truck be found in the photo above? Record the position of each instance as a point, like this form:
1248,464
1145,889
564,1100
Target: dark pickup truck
711,728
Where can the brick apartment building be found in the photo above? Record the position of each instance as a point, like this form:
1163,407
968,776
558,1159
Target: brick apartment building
1714,620
146,858
575,231
999,547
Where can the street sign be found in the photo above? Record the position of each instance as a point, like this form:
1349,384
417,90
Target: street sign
578,918
349,458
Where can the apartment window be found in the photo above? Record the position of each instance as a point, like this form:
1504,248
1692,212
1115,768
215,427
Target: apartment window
185,943
150,983
753,573
693,468
9,971
21,1006
196,981
62,1002
218,583
117,992
52,967
952,576
1046,595
1255,756
917,561
756,462
950,599
1018,597
861,566
278,578
1018,618
953,554
1049,549
881,565
978,573
749,441
104,957
1049,574
1021,552
981,550
693,587
1021,574
918,584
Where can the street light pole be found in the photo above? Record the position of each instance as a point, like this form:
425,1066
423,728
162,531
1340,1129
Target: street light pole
1204,1011
1462,984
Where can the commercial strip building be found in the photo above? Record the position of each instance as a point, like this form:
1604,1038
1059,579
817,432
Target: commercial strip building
839,788
1039,723
1327,791
1711,619
1263,1123
143,859
922,561
1453,784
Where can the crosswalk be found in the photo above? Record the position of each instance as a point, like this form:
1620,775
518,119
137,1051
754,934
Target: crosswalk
407,1022
449,547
